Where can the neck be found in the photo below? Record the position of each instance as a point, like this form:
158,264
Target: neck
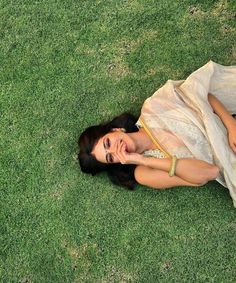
142,141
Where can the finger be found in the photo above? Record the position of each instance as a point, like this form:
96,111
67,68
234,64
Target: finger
120,147
117,153
120,152
122,156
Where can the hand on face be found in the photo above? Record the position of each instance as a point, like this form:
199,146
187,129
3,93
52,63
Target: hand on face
116,147
125,157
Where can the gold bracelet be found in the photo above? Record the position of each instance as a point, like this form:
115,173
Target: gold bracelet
173,166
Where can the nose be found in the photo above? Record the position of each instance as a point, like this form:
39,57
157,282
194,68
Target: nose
112,148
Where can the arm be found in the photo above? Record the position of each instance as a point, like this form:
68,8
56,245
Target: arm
158,179
190,170
226,118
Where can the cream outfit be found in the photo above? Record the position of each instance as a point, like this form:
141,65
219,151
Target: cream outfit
180,118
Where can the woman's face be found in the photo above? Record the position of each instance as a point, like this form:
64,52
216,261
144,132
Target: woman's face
105,149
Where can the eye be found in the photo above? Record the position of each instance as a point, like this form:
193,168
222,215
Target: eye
107,143
109,158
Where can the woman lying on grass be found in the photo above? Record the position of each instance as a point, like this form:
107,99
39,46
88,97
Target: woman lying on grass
185,136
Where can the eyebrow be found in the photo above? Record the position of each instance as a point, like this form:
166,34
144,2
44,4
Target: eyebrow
104,149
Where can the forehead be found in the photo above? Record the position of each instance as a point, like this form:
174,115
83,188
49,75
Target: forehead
99,151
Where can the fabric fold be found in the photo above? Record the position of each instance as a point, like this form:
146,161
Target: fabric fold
180,117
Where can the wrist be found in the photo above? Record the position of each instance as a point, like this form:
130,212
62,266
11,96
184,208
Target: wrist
142,160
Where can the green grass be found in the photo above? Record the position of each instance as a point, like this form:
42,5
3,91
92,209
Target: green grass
66,65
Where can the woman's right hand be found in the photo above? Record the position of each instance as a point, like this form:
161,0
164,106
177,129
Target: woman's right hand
127,158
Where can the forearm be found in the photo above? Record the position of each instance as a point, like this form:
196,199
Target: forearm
221,111
191,170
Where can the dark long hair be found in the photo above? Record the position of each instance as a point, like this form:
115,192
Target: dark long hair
118,173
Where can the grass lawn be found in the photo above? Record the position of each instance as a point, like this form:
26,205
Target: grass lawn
66,65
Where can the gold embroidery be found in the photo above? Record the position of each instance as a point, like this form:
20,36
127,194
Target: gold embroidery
154,139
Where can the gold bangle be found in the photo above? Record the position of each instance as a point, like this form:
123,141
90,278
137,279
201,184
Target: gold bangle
173,166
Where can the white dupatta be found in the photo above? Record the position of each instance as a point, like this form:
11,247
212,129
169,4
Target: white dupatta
179,116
